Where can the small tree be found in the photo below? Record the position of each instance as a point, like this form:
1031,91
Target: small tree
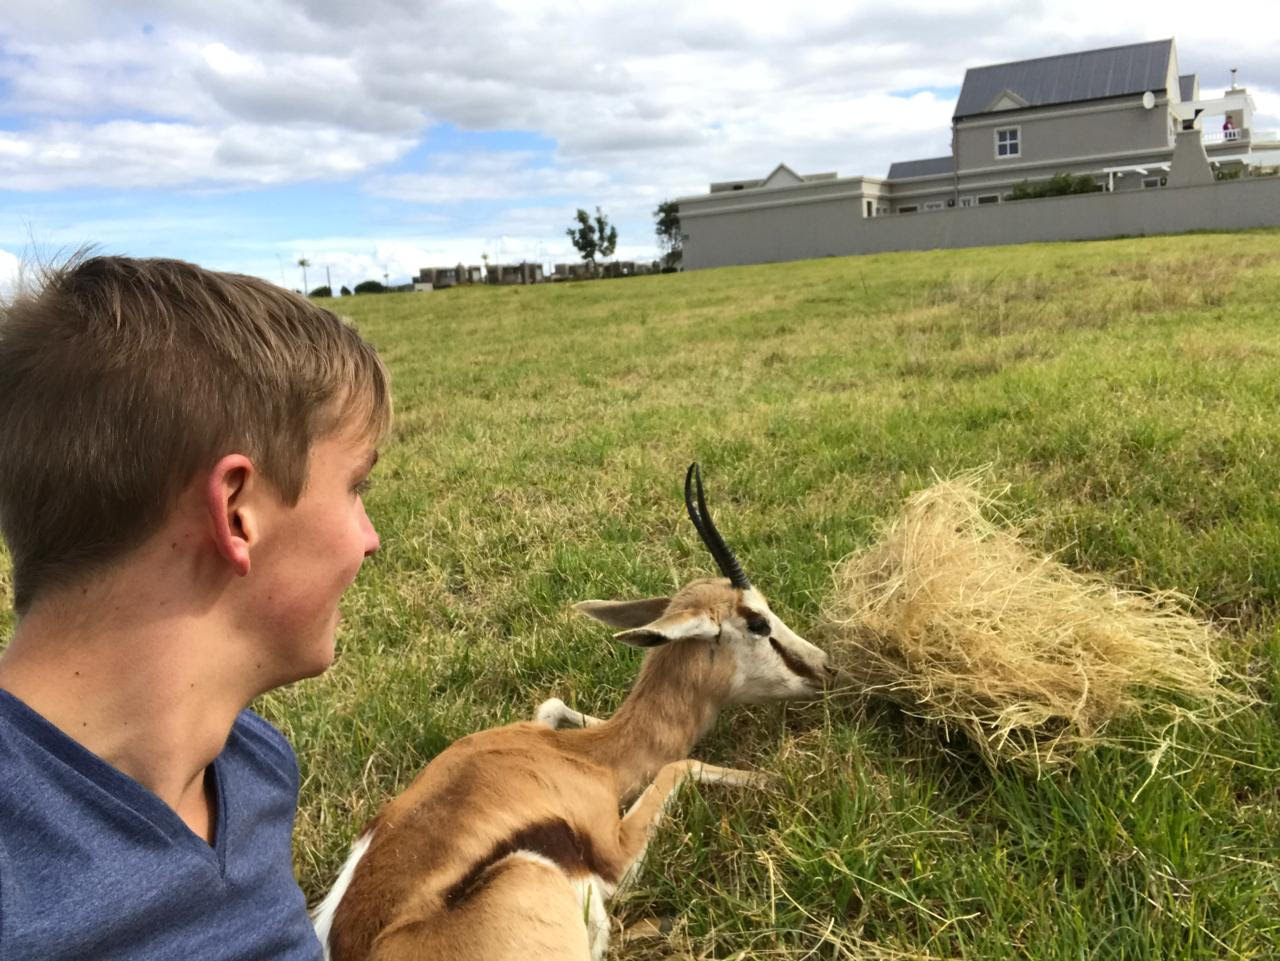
345,291
304,264
324,291
668,231
593,239
1060,184
370,287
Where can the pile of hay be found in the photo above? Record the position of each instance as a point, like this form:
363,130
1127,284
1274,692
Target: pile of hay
956,619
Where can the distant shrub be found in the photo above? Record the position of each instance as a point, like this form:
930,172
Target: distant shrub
345,291
1058,185
325,291
370,287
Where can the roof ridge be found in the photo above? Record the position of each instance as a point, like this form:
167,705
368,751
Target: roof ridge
1073,53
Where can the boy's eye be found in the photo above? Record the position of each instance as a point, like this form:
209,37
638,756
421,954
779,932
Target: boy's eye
757,624
363,486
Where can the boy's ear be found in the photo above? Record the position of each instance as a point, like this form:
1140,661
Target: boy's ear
233,517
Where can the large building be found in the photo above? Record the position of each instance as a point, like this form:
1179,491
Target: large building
1124,117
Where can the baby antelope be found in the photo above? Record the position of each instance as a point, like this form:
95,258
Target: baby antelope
511,842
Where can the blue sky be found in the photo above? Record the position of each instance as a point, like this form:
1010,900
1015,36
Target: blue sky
402,134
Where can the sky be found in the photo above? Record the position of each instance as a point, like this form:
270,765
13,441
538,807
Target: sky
377,138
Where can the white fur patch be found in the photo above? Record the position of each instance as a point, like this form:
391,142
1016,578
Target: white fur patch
592,893
322,916
551,712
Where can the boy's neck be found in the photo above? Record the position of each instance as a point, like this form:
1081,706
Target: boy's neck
147,686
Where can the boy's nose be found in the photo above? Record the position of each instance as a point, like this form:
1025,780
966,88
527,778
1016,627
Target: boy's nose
371,540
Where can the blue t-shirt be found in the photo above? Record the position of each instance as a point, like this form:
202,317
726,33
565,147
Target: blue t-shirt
95,866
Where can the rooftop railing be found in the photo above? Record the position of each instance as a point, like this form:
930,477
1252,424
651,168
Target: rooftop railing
1233,135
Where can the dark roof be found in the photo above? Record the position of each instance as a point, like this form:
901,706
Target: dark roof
931,166
1187,86
1068,77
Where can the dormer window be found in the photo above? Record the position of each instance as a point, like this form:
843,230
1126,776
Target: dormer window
1008,142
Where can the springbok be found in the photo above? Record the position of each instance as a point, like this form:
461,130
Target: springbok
510,842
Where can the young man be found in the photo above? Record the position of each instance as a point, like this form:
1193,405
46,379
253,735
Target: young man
183,457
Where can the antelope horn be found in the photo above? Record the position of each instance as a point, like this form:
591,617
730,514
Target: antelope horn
706,529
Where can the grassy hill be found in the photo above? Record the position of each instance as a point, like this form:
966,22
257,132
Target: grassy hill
1129,391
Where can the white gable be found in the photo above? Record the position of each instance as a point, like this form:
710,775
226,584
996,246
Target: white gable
1008,100
782,176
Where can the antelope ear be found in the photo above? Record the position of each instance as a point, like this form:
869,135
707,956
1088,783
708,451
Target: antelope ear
680,626
624,614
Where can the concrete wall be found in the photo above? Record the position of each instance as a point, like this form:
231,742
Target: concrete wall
764,234
1055,137
809,192
837,227
918,192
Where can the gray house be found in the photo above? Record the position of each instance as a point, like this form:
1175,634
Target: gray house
1117,116
1109,114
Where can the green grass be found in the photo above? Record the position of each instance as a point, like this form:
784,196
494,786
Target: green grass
1129,391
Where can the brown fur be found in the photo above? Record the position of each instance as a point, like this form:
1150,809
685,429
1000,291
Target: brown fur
442,878
477,797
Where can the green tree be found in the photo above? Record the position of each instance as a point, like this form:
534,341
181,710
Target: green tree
370,287
345,291
1058,185
304,264
668,231
322,291
593,239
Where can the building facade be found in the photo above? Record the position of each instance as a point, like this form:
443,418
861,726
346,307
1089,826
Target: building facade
1112,119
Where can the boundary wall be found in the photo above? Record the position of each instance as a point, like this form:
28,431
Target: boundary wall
833,227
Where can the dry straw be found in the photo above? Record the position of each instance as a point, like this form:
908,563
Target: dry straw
950,614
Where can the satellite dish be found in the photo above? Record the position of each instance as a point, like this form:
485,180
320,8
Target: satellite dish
1148,100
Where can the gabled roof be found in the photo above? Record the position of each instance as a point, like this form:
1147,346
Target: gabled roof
931,166
1007,100
1067,78
782,175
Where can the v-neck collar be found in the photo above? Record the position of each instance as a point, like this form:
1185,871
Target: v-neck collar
122,793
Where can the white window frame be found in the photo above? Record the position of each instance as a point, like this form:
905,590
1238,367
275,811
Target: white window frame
984,199
967,201
909,209
934,205
1015,141
1150,183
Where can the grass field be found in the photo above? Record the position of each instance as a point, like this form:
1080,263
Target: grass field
1129,391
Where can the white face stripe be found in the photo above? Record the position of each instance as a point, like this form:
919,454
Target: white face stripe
779,666
322,916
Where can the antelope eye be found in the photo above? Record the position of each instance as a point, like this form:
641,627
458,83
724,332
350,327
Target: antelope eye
758,624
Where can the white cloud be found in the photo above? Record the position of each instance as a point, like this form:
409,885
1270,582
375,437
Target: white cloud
10,269
641,101
130,153
459,177
722,80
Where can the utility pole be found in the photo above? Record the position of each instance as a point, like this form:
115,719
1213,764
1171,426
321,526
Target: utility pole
328,280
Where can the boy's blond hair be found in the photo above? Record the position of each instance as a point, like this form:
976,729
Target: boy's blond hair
121,380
